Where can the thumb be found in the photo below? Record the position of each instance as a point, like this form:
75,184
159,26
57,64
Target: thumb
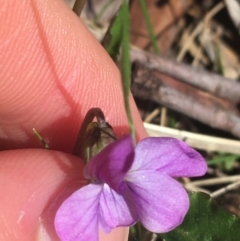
33,185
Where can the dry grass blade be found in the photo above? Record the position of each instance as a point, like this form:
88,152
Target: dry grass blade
214,181
199,28
223,190
198,141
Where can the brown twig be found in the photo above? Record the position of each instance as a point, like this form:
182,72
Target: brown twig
218,113
212,83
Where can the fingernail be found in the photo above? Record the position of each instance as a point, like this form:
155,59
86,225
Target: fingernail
46,230
42,234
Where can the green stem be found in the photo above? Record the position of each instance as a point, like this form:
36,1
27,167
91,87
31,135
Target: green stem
149,26
126,67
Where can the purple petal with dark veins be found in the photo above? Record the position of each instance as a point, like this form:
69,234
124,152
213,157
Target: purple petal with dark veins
168,155
77,218
112,163
160,200
115,211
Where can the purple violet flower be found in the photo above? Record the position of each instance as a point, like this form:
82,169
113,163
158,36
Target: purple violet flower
130,184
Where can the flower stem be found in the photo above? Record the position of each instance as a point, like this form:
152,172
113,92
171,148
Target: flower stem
93,136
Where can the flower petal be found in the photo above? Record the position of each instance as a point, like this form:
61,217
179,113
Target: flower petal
168,155
161,201
112,163
77,218
115,211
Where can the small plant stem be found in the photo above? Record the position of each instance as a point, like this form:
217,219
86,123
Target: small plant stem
41,139
78,6
126,68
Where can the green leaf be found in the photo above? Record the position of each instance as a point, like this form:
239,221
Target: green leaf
113,38
205,221
126,64
117,38
224,161
149,26
219,61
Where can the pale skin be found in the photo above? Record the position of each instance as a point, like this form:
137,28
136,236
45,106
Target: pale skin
52,71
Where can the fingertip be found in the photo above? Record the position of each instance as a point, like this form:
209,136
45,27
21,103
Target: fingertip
61,71
31,183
